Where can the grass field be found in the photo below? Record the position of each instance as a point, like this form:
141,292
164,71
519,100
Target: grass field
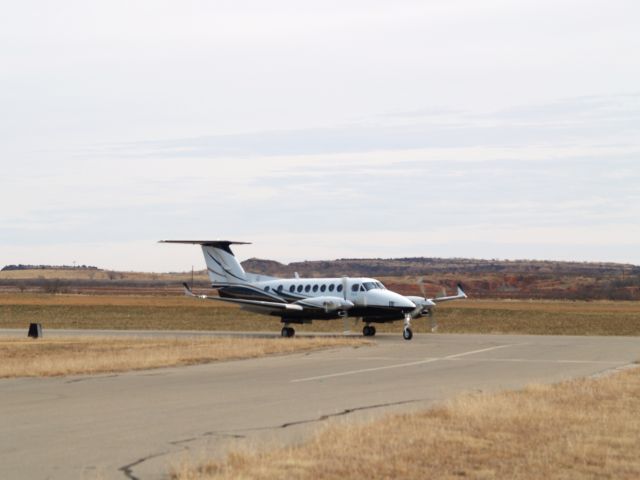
90,355
182,313
587,428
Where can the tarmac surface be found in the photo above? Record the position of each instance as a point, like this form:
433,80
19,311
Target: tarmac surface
136,425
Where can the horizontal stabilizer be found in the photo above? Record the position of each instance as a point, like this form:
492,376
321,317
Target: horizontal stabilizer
224,244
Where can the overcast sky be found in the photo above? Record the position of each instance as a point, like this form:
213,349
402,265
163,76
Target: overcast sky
319,130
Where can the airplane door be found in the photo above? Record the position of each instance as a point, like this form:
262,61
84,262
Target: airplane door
356,295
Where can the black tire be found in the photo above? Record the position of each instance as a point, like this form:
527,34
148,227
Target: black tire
366,331
372,331
407,334
292,332
284,332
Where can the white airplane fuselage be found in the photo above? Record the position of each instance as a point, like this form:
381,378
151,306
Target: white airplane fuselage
328,298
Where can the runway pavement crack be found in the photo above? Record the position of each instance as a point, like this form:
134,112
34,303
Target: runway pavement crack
92,377
346,411
207,434
128,469
327,416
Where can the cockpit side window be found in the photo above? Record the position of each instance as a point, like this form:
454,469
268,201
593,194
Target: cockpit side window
370,285
355,287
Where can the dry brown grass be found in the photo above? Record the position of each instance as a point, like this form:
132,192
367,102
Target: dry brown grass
88,355
587,428
182,313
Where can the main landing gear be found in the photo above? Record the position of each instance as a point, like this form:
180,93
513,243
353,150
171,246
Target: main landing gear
287,332
369,331
407,334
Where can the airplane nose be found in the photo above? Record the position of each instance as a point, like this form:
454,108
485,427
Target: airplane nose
405,302
387,298
400,300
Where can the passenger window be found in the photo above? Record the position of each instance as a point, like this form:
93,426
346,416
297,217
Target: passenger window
299,288
279,288
339,289
331,287
355,287
292,288
323,288
315,288
307,288
266,289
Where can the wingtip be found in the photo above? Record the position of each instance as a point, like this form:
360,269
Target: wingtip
187,290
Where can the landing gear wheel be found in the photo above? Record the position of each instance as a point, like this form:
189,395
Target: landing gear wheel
407,334
369,331
287,332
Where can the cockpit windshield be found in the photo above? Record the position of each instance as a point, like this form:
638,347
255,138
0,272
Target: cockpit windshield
381,286
371,285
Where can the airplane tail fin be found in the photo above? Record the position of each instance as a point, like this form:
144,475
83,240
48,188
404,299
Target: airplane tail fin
222,265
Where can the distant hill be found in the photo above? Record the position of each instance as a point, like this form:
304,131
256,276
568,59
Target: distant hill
427,266
483,278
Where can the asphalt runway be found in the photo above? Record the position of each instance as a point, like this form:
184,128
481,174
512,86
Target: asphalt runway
137,424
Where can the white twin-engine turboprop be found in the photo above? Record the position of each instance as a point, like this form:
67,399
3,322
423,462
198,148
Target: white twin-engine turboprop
301,300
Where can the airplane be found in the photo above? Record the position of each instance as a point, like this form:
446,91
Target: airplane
302,300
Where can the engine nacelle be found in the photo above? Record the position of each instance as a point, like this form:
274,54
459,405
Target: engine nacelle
328,304
423,306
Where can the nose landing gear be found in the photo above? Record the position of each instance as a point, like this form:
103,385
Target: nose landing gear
407,334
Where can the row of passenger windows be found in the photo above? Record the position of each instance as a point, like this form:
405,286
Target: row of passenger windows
362,287
313,288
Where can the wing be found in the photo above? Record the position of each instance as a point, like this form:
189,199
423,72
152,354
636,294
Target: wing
459,295
265,307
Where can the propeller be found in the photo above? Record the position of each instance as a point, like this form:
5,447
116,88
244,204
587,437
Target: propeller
421,287
345,319
433,322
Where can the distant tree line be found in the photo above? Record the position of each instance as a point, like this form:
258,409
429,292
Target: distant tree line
47,267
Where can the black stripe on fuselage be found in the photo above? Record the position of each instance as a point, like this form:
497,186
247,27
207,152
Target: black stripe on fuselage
248,292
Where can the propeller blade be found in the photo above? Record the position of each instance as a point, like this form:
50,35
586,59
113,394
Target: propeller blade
433,321
420,283
345,325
